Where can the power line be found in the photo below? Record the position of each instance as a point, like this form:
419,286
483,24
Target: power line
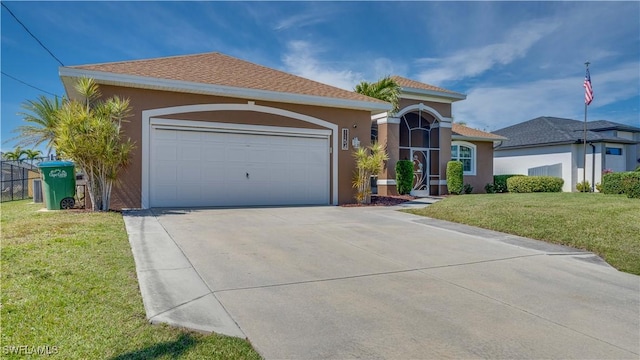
29,85
30,33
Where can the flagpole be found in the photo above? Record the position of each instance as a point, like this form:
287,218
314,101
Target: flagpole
584,140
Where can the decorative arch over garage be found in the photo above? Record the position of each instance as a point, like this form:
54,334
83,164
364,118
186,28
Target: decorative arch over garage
150,117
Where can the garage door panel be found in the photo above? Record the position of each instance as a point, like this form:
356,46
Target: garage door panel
166,150
166,193
163,134
191,136
166,173
190,152
214,152
191,168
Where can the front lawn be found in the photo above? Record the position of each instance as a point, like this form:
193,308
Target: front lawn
69,289
608,225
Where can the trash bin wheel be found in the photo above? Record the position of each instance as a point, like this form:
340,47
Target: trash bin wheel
67,203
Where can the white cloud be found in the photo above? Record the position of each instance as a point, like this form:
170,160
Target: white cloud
301,59
475,61
495,107
299,20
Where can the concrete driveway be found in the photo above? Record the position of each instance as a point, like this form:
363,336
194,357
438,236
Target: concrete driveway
340,283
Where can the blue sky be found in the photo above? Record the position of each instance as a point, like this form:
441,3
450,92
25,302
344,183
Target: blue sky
514,60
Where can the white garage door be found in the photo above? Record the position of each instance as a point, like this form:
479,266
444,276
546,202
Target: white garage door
208,168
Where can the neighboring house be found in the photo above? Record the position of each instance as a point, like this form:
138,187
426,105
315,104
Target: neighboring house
554,146
213,130
421,131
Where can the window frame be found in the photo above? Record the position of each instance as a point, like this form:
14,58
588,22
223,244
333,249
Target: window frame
473,158
607,150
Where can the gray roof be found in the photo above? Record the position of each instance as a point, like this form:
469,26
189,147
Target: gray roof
546,130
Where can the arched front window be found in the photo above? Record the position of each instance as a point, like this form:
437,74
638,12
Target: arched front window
466,153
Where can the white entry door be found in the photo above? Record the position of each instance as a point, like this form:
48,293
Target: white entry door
199,168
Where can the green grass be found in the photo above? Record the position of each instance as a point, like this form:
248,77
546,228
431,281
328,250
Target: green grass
608,225
69,283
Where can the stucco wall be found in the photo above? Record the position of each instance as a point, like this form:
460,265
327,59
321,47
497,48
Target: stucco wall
127,192
519,161
484,167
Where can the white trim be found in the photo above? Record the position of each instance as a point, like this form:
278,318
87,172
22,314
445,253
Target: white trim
446,121
437,182
379,116
441,100
472,138
474,155
389,120
446,124
405,91
178,124
146,132
386,182
145,82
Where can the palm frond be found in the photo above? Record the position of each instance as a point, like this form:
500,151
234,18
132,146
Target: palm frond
385,89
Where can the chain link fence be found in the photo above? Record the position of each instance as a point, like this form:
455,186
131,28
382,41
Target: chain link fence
16,180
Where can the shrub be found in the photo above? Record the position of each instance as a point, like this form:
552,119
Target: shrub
369,162
528,184
467,188
599,187
490,188
638,168
612,183
404,176
584,186
454,177
631,186
500,182
621,183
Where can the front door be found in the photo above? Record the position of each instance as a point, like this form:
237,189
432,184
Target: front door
420,158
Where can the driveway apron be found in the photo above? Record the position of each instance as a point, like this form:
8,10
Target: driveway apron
375,283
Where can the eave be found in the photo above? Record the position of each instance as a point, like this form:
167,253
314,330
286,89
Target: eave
67,75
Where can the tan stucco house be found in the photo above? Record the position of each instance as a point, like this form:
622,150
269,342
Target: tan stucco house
213,130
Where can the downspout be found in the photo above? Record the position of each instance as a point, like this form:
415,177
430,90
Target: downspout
593,167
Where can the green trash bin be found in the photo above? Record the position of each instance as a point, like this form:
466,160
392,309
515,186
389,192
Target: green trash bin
59,184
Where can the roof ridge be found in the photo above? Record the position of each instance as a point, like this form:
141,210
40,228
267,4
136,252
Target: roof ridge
433,87
216,68
146,59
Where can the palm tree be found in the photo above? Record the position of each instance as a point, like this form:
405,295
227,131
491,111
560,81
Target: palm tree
369,161
15,155
89,132
32,155
41,114
385,89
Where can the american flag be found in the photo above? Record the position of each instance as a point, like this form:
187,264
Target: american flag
588,91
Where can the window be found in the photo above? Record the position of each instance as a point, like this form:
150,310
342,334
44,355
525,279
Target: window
466,153
613,151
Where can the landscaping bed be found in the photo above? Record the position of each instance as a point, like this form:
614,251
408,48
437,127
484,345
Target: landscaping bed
390,200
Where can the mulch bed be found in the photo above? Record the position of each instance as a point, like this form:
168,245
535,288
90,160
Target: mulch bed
384,200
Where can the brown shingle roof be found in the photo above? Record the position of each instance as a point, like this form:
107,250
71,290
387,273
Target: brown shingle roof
408,83
465,131
219,69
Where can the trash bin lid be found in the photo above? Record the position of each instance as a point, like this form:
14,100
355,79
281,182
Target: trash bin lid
57,163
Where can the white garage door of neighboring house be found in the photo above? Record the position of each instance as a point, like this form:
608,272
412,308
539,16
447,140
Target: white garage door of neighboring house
206,167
